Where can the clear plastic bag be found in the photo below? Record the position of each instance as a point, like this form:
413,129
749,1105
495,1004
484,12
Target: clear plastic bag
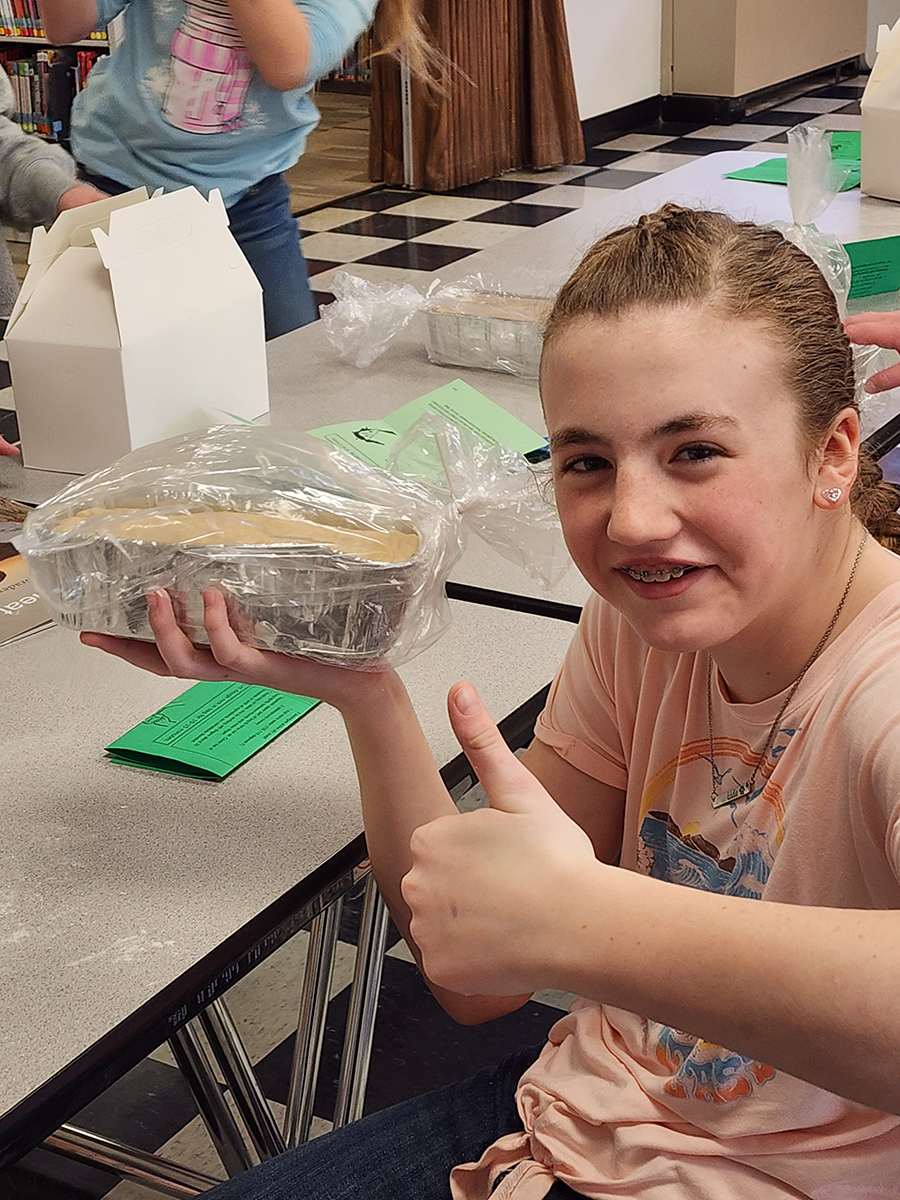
315,552
814,179
473,322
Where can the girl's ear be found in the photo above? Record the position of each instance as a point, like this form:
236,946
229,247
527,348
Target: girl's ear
838,460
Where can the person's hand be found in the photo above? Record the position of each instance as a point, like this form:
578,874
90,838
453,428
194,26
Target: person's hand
877,329
81,193
228,658
6,448
493,892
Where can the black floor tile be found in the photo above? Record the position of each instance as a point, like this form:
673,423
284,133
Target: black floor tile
838,91
616,179
689,145
671,128
780,139
497,189
9,426
603,158
774,117
315,266
850,110
376,201
417,256
5,377
323,298
527,215
417,1047
390,225
144,1108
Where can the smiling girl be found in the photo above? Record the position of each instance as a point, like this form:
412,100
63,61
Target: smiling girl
725,728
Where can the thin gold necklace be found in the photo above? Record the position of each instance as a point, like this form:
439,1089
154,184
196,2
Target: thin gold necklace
745,789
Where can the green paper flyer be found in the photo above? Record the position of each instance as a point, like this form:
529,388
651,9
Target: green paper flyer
209,730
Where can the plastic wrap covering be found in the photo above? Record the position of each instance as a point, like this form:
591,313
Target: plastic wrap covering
471,323
814,179
315,552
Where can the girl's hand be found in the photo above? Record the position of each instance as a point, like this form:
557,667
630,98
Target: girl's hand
492,892
228,658
877,329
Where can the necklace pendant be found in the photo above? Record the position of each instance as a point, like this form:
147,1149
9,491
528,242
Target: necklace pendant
735,793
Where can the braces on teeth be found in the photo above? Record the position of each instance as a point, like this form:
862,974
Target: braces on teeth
656,576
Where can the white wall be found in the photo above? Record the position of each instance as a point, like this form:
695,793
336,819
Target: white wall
881,12
615,47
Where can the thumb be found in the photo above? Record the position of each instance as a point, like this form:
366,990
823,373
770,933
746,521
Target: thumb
510,786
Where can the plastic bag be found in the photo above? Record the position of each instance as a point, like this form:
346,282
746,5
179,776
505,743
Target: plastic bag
814,179
470,323
315,552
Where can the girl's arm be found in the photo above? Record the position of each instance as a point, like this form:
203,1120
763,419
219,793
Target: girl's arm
810,991
276,36
67,21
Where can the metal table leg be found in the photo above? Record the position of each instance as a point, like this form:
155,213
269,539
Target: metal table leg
234,1062
197,1070
359,1033
157,1174
311,1023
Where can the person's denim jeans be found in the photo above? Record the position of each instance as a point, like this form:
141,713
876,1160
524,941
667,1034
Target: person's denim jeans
263,227
402,1153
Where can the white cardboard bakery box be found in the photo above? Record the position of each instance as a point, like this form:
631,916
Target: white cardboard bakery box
139,319
880,106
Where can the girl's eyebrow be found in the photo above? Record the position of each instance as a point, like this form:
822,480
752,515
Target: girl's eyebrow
695,422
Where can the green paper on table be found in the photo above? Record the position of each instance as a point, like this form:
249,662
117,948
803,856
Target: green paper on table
876,266
845,150
209,730
373,440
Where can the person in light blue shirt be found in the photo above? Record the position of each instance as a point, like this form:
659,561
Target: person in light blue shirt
216,93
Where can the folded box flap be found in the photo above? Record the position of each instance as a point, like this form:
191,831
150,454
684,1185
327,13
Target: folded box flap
166,219
75,226
887,60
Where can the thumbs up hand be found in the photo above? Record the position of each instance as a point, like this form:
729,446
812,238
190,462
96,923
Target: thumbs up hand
492,892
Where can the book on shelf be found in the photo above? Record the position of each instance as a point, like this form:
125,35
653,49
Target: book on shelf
45,82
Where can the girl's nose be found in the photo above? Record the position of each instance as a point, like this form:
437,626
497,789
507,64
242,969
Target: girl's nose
640,514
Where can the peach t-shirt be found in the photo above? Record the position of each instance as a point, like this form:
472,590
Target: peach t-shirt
618,1106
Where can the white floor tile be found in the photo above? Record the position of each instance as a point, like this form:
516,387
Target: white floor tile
635,141
811,104
7,399
401,951
327,218
843,121
446,208
653,160
550,177
375,274
772,148
344,247
479,235
738,133
568,195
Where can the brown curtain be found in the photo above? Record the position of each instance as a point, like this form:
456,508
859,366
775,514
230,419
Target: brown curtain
508,97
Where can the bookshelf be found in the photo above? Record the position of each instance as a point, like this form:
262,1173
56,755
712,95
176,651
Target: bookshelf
355,72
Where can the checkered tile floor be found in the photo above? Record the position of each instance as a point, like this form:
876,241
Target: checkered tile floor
388,234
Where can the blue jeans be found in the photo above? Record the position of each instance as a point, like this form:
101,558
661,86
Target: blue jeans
402,1153
263,227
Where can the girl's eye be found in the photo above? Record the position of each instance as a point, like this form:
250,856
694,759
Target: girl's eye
697,453
585,464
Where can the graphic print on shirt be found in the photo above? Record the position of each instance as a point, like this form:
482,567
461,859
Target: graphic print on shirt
684,855
701,1070
210,71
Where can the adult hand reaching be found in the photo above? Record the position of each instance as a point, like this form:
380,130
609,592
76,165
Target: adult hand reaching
877,329
493,893
6,448
81,193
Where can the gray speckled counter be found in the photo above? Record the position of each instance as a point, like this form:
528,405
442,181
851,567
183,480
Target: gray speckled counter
115,881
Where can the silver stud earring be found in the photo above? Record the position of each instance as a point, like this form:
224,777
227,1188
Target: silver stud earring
832,494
